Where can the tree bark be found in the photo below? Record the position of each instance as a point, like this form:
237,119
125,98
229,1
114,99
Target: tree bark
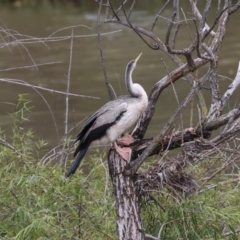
129,223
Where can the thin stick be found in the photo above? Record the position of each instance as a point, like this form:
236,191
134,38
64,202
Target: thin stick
114,13
67,101
131,8
68,85
44,99
158,15
109,87
176,9
52,39
8,145
21,82
153,47
30,66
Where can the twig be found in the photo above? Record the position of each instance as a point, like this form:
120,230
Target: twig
67,98
30,66
231,88
148,236
175,94
131,8
8,33
176,9
188,29
198,16
204,17
236,231
158,15
66,28
231,120
8,145
153,47
214,24
109,87
219,184
121,6
174,14
218,6
114,13
185,52
52,39
229,134
217,172
68,85
209,52
21,82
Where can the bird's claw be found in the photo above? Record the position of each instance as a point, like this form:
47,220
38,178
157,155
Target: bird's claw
126,140
124,152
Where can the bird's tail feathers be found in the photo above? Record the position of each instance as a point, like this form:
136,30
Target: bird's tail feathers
77,161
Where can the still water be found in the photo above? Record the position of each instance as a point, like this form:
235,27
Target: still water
46,64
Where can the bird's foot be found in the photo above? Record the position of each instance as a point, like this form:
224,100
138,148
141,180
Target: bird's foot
126,140
125,152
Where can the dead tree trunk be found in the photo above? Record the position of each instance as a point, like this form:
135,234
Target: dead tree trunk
129,224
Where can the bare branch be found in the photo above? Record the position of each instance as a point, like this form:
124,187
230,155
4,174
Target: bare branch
154,47
185,52
215,108
114,13
235,7
214,24
231,89
204,17
121,6
176,139
198,16
158,44
174,14
156,91
228,134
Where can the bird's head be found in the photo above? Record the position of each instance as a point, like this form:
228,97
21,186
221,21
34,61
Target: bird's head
132,64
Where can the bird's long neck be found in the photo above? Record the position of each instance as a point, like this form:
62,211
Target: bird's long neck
135,90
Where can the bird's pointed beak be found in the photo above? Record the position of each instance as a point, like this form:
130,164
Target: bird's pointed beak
138,57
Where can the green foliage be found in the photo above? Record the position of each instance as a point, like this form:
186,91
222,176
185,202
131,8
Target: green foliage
38,202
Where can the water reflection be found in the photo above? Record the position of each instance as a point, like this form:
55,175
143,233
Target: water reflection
86,71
